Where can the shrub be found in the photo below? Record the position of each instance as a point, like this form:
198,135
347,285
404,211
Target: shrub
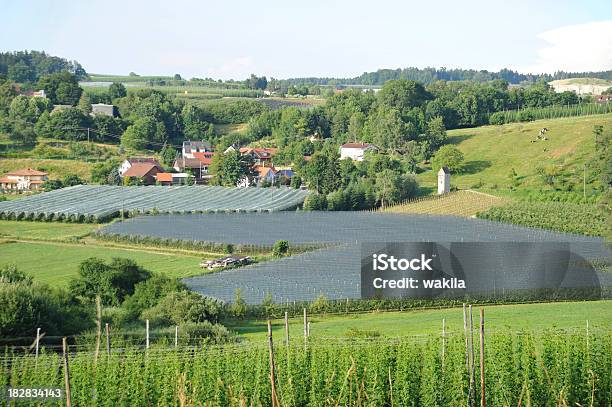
182,306
148,293
217,333
280,248
113,282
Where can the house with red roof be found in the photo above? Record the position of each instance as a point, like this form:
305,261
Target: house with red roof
198,164
128,162
146,172
356,151
26,179
261,156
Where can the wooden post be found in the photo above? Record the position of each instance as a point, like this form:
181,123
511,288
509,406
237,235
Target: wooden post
587,335
176,336
98,327
308,328
66,372
443,341
305,324
467,344
272,374
147,334
472,364
37,345
287,328
108,342
482,359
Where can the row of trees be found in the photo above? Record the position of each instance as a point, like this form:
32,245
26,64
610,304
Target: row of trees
29,66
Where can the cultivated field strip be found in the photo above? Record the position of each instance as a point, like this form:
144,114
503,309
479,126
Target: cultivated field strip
98,203
309,227
333,272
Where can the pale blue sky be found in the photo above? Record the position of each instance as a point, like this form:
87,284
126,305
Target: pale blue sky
231,39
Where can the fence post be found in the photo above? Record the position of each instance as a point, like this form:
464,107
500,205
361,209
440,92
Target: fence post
108,341
98,327
147,334
305,324
472,364
176,336
37,345
66,372
482,359
287,328
308,326
272,375
587,335
443,341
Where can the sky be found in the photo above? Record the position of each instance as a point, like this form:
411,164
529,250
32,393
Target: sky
230,39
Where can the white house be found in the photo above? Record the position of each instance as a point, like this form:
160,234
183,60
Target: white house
199,146
355,151
23,180
443,181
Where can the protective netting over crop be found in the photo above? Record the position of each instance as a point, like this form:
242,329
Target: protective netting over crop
333,272
102,202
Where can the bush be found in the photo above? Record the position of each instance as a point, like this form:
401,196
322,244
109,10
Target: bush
497,118
27,306
280,248
315,202
112,282
148,293
182,306
217,333
9,274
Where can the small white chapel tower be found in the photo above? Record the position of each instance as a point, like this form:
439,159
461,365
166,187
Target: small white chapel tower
443,181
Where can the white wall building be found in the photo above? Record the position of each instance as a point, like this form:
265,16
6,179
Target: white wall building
443,181
355,151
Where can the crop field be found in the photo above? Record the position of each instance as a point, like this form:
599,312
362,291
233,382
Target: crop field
568,217
526,368
459,203
44,231
311,227
334,271
98,203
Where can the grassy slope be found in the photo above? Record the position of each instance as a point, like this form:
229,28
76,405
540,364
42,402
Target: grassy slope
44,231
492,151
57,263
55,168
563,315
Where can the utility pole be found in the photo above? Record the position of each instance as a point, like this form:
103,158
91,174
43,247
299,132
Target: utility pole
88,135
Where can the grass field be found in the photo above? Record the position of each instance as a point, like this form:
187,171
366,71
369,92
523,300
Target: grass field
560,315
459,203
55,168
57,263
491,152
44,231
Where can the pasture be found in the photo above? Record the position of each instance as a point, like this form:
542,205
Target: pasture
57,263
491,152
570,316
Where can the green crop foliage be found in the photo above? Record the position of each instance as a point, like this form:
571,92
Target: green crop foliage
539,369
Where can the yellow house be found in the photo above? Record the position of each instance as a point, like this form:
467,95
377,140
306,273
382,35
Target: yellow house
23,180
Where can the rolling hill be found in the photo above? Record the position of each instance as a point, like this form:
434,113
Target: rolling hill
492,152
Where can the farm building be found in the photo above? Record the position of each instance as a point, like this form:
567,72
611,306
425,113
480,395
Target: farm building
129,162
26,179
190,148
356,151
104,109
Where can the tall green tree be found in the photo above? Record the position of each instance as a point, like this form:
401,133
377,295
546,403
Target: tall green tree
230,168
